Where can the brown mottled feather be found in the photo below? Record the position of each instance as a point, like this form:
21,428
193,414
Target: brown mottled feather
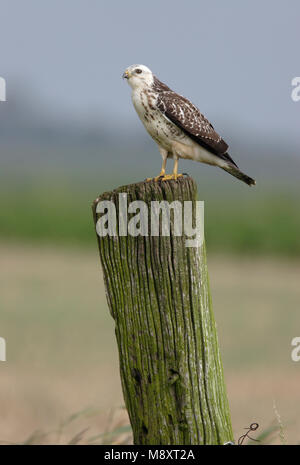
187,117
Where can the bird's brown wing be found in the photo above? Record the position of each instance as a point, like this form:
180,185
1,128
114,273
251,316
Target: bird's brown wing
187,117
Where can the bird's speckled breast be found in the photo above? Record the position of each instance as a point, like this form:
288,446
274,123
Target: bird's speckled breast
157,125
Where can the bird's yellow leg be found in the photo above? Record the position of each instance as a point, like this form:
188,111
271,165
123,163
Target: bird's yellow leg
162,172
175,174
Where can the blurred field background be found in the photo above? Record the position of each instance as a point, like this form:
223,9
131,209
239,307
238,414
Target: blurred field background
67,134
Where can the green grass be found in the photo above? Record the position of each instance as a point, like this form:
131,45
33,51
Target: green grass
268,224
56,207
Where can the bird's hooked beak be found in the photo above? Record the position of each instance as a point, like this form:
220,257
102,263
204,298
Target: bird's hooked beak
126,74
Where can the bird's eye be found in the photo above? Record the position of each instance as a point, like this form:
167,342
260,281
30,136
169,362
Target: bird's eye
138,71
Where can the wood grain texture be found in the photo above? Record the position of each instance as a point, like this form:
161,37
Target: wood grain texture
158,294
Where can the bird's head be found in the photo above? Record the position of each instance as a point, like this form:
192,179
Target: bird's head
138,76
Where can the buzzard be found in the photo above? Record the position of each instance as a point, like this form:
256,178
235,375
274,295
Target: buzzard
177,126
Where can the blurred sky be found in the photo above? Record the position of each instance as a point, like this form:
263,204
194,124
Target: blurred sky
234,59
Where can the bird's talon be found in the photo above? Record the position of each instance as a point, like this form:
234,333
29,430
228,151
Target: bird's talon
170,177
157,178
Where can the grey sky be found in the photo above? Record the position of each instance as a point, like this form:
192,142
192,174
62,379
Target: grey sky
235,59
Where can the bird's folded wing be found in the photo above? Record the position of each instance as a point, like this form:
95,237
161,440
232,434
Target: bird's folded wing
187,117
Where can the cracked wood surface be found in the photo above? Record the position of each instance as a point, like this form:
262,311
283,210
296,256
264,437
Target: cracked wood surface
158,294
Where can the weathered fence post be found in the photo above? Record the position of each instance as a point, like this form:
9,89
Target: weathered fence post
158,294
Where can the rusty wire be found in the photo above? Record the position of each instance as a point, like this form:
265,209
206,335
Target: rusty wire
252,427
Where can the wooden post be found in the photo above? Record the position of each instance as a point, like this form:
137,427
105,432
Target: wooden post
158,294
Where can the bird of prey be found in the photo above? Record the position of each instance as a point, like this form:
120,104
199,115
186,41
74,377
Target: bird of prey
177,126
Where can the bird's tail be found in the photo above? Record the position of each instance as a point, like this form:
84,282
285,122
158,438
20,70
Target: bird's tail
234,171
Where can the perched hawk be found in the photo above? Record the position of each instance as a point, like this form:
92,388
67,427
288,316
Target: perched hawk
177,126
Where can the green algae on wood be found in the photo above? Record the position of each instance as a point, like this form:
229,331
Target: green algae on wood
158,294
